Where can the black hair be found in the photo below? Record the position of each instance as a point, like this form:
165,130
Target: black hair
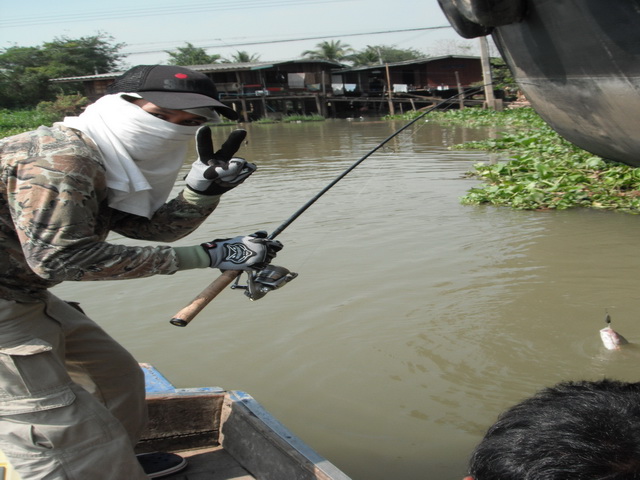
582,430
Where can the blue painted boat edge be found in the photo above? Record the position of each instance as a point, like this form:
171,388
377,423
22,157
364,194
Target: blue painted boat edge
286,435
158,384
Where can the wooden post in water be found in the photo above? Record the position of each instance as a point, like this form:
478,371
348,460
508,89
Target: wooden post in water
243,102
318,104
486,73
460,95
391,109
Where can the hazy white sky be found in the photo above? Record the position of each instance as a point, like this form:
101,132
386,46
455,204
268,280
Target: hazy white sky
273,29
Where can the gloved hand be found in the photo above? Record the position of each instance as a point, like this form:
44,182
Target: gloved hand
252,252
217,173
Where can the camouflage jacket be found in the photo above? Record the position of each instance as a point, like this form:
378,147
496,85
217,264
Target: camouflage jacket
54,218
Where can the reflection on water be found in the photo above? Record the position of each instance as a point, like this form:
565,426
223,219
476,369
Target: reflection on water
414,321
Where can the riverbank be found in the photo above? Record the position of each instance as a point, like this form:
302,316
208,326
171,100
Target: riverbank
538,169
13,122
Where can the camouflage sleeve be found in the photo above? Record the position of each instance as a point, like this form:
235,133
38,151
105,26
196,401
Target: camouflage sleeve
57,200
174,220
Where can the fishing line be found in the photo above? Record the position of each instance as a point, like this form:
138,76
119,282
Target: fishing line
264,281
316,197
404,141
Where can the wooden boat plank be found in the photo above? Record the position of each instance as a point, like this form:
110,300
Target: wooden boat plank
267,448
226,435
211,464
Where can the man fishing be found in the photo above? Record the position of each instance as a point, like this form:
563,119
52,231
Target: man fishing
72,400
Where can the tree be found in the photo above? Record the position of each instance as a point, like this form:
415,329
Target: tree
242,57
65,57
333,50
190,55
25,72
368,56
378,54
20,81
458,46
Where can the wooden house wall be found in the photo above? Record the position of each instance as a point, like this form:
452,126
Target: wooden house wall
443,72
427,75
95,89
274,79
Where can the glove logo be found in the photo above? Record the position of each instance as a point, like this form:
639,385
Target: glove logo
238,253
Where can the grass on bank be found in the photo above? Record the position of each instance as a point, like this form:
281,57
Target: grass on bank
13,122
291,119
540,170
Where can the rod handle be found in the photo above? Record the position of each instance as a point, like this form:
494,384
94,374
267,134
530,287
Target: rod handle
188,313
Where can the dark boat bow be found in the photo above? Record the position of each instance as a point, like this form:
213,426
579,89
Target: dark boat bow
577,62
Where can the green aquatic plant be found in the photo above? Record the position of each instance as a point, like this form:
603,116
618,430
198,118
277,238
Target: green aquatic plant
302,118
538,169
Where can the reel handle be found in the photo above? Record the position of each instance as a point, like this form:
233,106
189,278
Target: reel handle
188,313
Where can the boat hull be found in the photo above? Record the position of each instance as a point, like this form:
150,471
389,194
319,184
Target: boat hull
225,434
578,64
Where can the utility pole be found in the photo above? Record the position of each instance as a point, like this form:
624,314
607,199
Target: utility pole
486,73
392,110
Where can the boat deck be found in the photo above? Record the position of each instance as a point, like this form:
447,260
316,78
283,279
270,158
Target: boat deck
225,435
212,463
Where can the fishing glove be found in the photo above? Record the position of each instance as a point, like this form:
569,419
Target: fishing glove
215,173
252,252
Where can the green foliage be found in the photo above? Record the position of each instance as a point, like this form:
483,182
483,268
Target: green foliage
378,54
13,122
541,170
502,76
291,119
190,55
302,118
333,50
516,118
25,71
67,57
242,56
64,105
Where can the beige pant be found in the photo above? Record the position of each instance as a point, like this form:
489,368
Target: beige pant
71,398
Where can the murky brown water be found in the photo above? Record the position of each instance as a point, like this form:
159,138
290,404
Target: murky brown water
414,321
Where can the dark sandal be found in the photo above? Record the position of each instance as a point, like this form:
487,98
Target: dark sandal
159,464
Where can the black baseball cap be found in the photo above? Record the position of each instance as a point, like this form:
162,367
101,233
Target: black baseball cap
173,87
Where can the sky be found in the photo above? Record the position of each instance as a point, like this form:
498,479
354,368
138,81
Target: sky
273,29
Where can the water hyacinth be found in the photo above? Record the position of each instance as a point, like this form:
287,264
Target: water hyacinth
539,170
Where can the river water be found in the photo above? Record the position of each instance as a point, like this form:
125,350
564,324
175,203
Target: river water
414,320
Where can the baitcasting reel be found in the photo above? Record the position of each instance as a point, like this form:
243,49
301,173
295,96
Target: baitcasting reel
262,282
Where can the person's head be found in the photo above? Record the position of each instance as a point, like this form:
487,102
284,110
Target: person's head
575,430
171,90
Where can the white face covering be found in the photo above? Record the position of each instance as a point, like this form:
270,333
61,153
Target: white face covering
142,153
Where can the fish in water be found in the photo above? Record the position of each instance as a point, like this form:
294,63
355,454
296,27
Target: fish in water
611,339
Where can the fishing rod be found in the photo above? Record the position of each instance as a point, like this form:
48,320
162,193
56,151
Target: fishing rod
272,276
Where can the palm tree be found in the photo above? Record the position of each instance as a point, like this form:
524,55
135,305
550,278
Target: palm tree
368,56
190,55
331,50
243,57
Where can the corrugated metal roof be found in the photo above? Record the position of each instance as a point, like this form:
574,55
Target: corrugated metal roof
210,68
414,61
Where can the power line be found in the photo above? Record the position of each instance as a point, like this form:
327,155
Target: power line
31,20
299,39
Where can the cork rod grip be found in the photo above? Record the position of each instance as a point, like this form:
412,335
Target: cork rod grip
188,313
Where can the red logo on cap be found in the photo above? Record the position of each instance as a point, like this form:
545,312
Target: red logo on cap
181,75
